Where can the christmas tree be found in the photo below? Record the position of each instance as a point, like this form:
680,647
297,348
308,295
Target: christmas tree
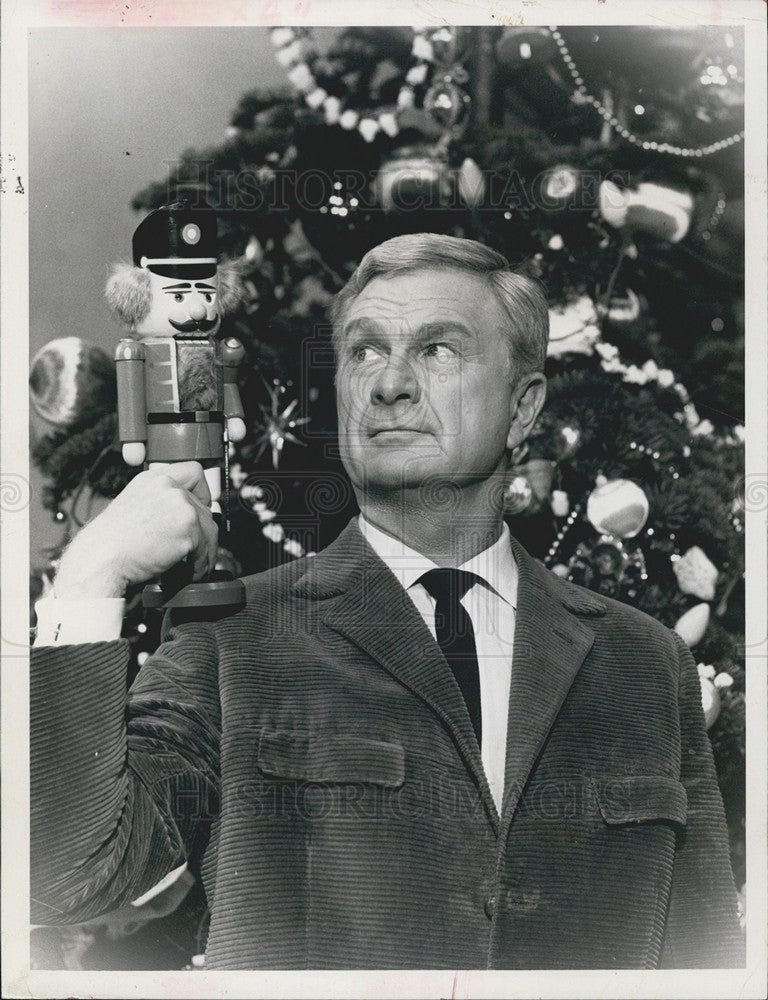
606,162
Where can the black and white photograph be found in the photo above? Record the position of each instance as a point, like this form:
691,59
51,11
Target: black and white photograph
384,499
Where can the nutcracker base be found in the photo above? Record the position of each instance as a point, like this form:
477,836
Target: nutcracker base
223,594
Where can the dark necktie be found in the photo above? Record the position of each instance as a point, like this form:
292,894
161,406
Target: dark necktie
455,635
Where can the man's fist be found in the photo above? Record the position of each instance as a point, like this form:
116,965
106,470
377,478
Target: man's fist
161,517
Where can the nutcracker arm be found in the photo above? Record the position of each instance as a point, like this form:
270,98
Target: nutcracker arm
232,353
131,393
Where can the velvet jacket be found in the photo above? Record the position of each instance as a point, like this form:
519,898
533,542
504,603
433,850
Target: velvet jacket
313,759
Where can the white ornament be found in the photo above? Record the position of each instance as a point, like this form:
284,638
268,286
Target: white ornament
274,532
692,625
710,701
471,183
560,503
316,97
405,99
416,75
389,124
618,507
703,427
556,242
665,378
292,547
573,328
349,119
723,681
289,55
368,128
332,109
422,49
301,77
282,36
560,570
696,574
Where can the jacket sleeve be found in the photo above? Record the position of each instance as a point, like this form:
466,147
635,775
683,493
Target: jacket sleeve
119,789
702,924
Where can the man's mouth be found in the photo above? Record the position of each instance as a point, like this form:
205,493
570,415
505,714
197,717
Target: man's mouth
379,431
195,325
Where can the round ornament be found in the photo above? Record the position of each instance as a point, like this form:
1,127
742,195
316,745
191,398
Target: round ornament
448,44
517,496
559,186
710,695
72,382
618,507
413,179
521,46
446,104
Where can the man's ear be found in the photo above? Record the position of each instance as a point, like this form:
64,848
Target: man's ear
527,400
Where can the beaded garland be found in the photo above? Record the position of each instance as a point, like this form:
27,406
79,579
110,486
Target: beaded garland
607,115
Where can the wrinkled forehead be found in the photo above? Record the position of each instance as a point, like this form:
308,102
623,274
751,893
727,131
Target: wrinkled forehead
406,304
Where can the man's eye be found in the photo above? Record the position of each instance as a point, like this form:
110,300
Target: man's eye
441,351
363,353
178,297
208,297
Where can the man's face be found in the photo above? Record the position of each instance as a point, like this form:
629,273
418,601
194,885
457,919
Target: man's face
178,305
424,387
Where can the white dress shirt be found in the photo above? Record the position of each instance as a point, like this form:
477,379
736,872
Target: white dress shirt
491,604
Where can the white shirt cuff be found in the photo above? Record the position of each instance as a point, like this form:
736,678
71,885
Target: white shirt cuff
65,622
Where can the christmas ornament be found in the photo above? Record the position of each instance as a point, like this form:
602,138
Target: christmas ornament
278,424
522,46
517,496
470,182
446,104
415,177
567,441
661,212
560,503
72,382
559,186
692,625
696,575
624,309
537,474
618,507
710,696
573,328
607,567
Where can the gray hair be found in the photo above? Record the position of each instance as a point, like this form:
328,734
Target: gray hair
522,298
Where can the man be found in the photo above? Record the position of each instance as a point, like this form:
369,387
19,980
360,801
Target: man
382,762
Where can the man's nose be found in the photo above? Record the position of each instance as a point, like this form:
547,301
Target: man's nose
396,380
197,309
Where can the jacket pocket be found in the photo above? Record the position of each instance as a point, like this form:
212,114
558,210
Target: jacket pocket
336,759
640,799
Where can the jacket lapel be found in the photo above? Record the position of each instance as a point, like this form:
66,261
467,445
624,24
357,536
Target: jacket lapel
549,648
363,601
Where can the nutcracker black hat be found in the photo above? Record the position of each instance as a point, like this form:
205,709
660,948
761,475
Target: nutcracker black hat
178,241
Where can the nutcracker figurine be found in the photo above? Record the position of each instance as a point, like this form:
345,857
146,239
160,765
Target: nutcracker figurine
177,395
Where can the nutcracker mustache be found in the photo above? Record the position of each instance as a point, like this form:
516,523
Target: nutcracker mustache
195,325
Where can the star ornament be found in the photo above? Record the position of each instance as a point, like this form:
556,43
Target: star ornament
278,425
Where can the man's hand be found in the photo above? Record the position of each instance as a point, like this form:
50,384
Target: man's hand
160,518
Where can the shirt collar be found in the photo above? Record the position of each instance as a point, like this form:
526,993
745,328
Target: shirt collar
495,565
